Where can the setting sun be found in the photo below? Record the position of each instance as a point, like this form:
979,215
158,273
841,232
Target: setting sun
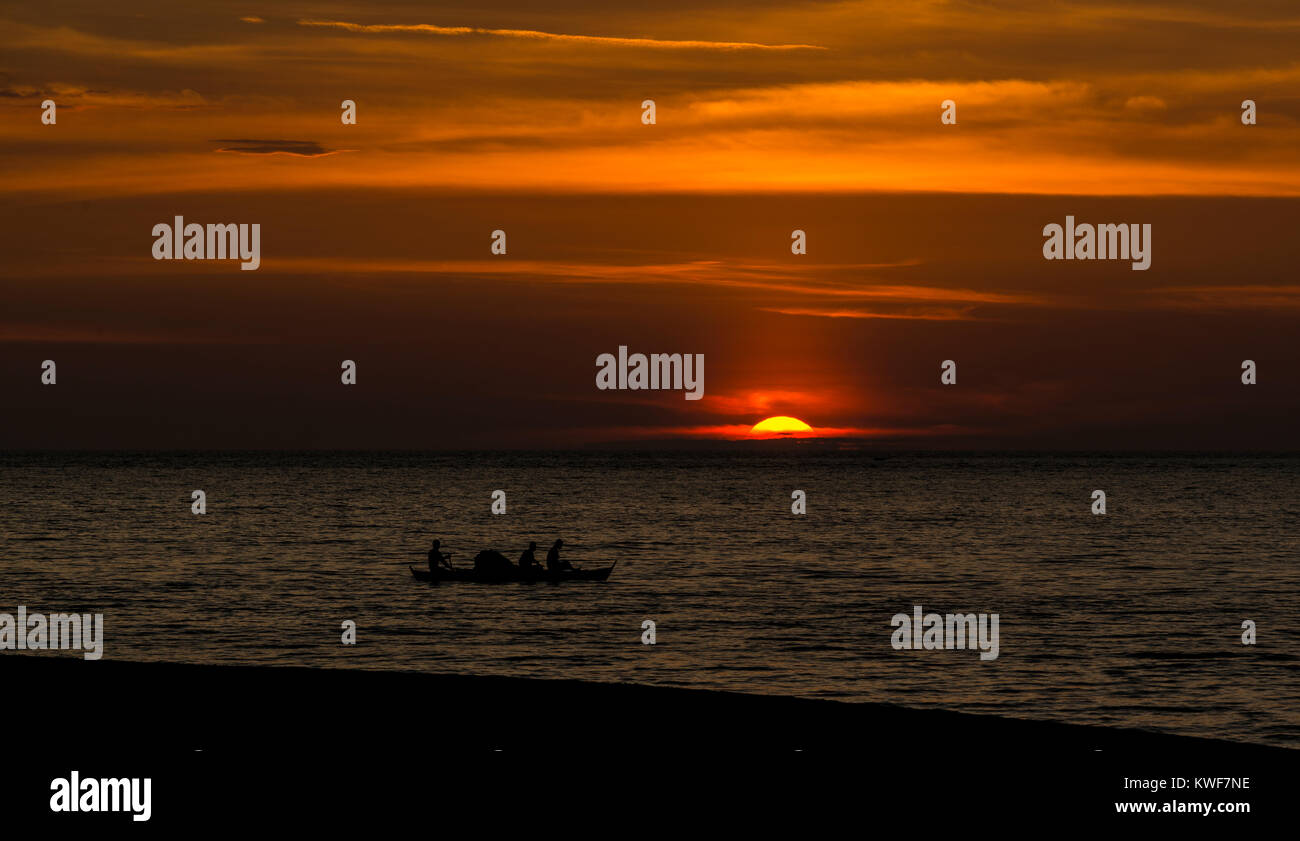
780,424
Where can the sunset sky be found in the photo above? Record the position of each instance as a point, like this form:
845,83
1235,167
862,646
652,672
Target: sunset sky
924,240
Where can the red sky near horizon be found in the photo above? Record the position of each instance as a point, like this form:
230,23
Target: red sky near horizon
924,240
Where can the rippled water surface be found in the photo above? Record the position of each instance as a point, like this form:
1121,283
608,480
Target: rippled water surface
1130,619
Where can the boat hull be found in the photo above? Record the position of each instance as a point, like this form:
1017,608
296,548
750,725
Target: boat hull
541,576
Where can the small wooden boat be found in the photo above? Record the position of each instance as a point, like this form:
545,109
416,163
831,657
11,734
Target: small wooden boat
515,574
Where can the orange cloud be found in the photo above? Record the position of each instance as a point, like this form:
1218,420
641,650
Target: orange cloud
296,148
536,35
741,432
921,315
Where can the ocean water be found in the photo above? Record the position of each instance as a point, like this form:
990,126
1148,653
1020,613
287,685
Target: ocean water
1128,619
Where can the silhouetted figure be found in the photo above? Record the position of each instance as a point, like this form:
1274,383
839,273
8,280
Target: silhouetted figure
553,561
437,559
528,560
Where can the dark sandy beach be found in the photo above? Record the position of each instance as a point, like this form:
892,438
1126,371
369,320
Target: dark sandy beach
206,707
350,744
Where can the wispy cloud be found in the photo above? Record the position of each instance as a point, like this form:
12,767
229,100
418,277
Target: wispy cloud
777,288
1228,297
741,432
78,96
535,35
298,148
929,314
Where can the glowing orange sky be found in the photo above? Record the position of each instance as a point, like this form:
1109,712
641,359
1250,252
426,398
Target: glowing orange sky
923,239
812,97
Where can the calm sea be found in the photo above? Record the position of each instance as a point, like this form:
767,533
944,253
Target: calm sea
1130,619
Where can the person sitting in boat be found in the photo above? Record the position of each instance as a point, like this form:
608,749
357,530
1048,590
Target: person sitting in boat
553,560
528,560
438,559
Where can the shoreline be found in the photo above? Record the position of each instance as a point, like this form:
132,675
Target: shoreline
325,747
221,706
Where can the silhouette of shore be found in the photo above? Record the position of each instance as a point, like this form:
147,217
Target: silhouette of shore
202,705
223,742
